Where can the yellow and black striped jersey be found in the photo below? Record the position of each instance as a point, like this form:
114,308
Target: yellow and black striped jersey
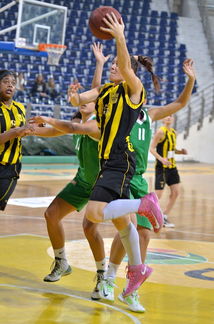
166,148
10,117
116,115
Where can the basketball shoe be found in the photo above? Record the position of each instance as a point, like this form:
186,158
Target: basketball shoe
133,302
166,222
106,289
95,295
60,268
150,208
136,276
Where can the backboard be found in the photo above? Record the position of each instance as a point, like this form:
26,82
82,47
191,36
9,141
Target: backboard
40,22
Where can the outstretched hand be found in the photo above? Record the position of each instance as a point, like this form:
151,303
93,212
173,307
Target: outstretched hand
73,89
97,49
188,68
37,120
115,27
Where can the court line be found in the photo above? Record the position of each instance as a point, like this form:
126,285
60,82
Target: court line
133,318
165,255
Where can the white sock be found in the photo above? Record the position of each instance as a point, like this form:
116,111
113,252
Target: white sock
101,265
60,253
120,207
112,270
130,239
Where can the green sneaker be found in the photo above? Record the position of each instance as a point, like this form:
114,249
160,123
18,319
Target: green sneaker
58,270
106,289
133,302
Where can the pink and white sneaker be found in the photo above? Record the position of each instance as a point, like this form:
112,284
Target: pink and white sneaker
136,276
150,208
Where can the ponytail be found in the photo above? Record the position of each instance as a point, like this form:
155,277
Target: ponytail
146,61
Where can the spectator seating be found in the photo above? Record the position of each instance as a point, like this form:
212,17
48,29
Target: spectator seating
149,32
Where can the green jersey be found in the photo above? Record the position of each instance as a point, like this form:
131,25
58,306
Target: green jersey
140,138
86,149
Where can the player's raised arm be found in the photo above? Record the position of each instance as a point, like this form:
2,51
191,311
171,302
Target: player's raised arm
182,100
116,29
100,61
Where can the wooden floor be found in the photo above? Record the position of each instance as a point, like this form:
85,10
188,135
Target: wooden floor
180,290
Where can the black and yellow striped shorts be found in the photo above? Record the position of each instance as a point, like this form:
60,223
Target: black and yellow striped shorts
9,174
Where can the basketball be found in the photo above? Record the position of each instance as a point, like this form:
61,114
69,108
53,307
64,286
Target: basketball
96,21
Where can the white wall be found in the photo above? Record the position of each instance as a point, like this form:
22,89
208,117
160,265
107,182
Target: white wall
199,144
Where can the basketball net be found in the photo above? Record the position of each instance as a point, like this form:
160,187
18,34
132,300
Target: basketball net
54,51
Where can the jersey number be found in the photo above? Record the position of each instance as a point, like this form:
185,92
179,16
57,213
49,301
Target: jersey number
141,134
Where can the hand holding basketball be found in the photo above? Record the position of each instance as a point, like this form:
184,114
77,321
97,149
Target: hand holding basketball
97,22
115,28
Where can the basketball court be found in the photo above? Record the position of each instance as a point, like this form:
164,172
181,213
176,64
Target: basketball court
180,289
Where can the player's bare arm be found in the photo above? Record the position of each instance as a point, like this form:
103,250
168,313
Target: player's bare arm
116,29
182,100
67,127
158,137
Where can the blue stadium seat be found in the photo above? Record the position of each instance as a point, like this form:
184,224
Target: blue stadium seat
164,14
151,32
154,13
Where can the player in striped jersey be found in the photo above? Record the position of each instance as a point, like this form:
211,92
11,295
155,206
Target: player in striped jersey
163,147
117,107
12,129
140,138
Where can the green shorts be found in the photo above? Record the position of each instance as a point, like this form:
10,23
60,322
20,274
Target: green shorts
138,189
76,194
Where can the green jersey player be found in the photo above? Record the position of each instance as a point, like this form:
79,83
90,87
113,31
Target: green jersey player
76,193
140,138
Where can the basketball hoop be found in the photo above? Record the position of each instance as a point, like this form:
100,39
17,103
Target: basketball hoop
54,51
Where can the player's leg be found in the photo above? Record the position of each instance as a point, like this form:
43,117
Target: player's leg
117,254
54,214
96,243
139,188
173,181
127,231
160,181
98,210
174,192
73,197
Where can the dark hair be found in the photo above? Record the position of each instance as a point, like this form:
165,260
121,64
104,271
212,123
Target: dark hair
4,73
77,114
147,62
